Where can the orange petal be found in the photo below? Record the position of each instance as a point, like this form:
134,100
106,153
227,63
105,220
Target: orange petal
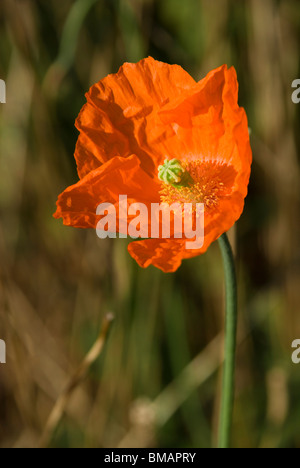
197,102
209,125
167,254
77,205
204,123
113,120
164,254
208,121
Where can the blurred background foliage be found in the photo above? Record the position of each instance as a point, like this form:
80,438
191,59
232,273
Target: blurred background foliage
157,382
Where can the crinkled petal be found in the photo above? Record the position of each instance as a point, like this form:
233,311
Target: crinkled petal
164,254
114,118
167,254
77,205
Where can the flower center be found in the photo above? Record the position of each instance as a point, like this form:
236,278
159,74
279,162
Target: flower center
195,182
174,174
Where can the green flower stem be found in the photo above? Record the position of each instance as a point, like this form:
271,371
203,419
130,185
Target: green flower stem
230,343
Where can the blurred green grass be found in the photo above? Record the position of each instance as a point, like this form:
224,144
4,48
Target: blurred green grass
57,283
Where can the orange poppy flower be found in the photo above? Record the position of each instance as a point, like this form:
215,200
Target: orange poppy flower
148,113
